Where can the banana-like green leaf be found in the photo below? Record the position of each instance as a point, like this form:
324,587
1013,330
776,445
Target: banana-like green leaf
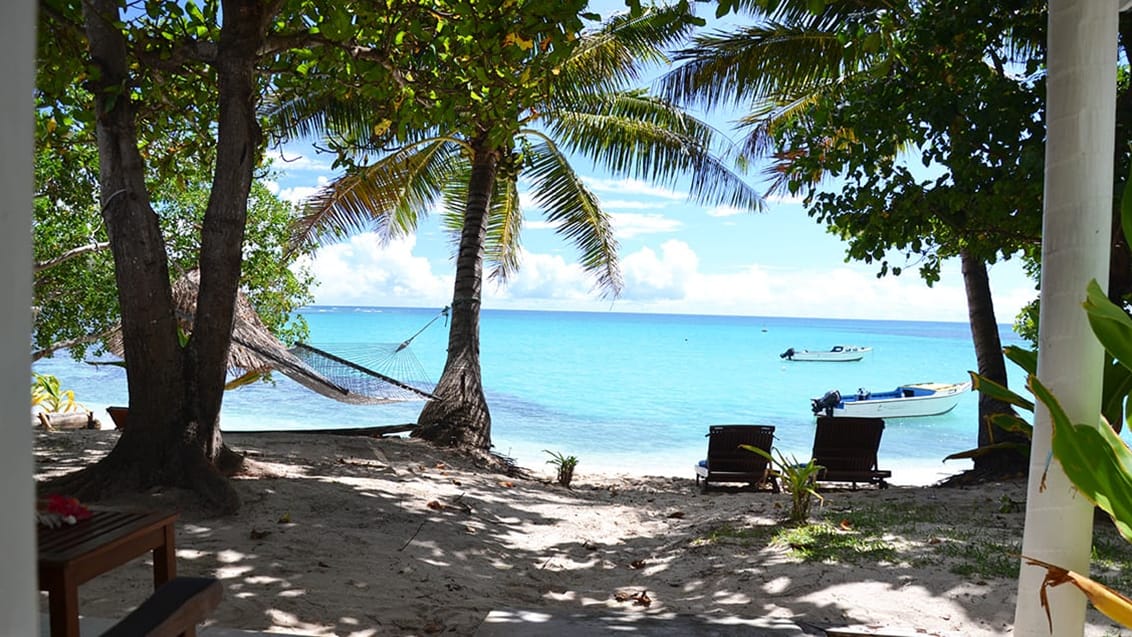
1110,323
982,451
1012,423
1094,458
246,378
1117,390
998,392
1024,358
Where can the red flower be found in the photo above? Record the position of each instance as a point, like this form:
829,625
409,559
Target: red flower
67,507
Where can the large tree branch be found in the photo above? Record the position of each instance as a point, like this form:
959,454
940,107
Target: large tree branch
40,266
70,342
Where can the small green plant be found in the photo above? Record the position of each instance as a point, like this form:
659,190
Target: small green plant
797,478
47,394
565,465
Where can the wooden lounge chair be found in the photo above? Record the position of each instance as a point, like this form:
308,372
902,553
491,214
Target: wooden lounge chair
727,462
847,449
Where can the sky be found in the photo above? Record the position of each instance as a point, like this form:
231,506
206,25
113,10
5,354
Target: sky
676,257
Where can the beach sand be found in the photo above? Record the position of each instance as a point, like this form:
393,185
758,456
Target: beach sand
361,536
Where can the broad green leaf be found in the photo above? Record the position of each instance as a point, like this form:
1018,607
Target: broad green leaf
984,450
1110,323
998,392
1094,458
1024,358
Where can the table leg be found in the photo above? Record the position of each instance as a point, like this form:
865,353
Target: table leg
165,558
63,608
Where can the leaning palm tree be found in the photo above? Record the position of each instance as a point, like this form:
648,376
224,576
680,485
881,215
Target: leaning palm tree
590,110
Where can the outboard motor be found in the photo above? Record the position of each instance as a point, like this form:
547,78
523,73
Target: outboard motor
787,354
826,403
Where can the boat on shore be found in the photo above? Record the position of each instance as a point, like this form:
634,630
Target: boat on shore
906,401
838,353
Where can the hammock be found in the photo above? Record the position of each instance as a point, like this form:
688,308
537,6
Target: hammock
256,352
354,380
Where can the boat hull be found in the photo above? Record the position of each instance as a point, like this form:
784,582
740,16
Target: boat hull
906,401
839,354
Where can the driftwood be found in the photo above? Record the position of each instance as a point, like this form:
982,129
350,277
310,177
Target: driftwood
68,420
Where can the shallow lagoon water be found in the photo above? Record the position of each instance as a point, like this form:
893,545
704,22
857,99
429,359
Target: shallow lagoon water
632,393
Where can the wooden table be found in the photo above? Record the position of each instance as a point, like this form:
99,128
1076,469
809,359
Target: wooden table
73,554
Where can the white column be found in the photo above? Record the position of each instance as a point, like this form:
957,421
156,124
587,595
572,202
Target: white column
19,600
1080,117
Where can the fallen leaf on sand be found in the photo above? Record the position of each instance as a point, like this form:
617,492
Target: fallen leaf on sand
506,485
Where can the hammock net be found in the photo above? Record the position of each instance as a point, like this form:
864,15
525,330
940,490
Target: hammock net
350,374
369,373
356,373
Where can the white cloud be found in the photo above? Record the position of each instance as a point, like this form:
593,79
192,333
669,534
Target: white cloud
544,276
629,187
362,271
665,278
627,225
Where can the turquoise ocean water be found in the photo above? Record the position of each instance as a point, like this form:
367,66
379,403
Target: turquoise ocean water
631,393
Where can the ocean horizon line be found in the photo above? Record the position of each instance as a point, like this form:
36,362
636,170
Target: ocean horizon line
372,308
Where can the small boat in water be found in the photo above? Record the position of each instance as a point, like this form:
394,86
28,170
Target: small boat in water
906,401
838,353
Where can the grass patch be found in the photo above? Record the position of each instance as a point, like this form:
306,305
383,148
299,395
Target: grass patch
979,542
825,542
741,535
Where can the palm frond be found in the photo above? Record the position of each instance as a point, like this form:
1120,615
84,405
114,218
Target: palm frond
754,62
635,134
615,55
504,225
386,197
576,214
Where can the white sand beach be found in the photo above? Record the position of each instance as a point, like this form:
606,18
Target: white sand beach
362,536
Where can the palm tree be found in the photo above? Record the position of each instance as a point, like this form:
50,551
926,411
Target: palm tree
473,172
792,65
1075,249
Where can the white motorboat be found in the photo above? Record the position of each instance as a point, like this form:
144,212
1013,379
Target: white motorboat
906,401
838,353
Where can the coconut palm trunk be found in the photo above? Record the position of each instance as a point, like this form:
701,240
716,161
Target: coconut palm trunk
1075,248
459,417
992,365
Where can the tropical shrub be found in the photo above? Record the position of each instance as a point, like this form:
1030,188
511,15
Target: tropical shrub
47,394
565,465
799,479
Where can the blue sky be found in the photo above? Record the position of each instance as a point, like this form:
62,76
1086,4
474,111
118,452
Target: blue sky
676,257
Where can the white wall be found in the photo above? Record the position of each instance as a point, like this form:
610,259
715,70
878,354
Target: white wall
18,596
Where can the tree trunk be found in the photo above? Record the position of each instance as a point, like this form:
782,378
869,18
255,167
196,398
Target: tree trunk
992,365
222,233
1077,213
175,392
459,416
